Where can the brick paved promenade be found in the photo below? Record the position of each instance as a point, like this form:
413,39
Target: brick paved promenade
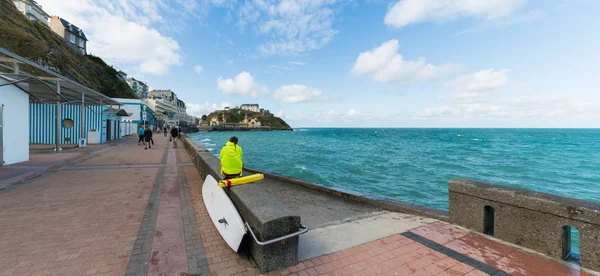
118,209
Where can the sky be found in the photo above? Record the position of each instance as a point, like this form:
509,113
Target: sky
350,63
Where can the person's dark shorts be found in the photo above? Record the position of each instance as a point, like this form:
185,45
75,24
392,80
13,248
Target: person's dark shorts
231,176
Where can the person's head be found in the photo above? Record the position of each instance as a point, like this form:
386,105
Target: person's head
233,139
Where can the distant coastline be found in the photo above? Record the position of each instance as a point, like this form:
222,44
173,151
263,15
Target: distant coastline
220,128
247,117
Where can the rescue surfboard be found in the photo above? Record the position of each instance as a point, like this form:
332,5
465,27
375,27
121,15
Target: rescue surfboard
223,213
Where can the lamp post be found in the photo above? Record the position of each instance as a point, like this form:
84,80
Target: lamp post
144,115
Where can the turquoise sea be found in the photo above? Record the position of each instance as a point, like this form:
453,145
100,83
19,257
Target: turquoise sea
415,165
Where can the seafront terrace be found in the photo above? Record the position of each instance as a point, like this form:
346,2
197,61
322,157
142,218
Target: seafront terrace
117,209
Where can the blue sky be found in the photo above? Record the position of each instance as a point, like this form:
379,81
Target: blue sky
407,63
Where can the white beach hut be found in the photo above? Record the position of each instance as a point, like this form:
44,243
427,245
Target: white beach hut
14,116
58,99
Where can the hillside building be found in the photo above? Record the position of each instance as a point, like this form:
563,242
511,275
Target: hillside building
250,107
32,10
139,87
169,109
122,75
69,32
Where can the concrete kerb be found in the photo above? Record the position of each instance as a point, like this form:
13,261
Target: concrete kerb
196,256
388,205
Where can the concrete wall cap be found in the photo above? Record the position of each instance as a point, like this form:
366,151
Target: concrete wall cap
576,209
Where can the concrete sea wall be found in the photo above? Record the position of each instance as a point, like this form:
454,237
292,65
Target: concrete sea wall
534,220
388,205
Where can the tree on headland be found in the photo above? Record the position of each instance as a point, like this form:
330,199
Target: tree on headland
204,117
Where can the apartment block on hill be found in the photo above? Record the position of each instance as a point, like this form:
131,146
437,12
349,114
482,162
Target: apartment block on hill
71,33
250,107
32,10
139,87
173,110
122,75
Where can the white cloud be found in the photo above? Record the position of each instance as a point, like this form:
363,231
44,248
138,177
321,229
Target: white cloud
533,110
406,12
296,93
350,116
465,112
292,27
484,80
433,112
205,108
479,110
297,63
280,67
516,19
242,84
465,96
198,69
218,2
384,64
122,33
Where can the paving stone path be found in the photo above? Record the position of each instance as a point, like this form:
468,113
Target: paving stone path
118,209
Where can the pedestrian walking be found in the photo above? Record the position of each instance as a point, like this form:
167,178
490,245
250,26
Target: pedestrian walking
174,135
148,138
141,135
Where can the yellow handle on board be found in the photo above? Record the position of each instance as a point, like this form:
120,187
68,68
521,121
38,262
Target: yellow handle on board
241,180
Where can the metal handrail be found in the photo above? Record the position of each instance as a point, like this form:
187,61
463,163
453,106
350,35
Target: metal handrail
303,229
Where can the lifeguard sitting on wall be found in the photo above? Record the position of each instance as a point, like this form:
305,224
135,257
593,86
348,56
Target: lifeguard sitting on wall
231,159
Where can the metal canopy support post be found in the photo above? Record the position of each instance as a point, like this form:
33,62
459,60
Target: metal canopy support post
16,68
1,135
57,149
81,117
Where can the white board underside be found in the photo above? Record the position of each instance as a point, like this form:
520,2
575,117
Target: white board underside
220,208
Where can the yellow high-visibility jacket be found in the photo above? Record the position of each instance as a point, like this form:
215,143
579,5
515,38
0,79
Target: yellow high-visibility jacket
231,159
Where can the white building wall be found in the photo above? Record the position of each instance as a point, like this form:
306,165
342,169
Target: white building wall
131,106
135,109
128,128
15,129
